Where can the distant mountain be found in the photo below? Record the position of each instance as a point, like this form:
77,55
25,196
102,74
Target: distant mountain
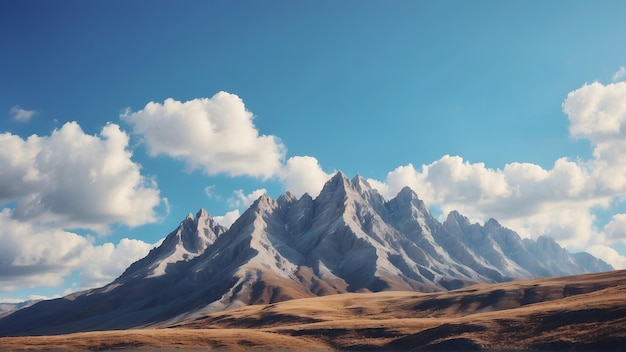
348,239
7,308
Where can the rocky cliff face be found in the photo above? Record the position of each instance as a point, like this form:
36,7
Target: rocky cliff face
348,239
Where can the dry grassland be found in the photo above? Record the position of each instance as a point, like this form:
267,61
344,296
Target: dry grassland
578,312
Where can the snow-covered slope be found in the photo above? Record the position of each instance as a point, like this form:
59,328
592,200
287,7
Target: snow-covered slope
348,239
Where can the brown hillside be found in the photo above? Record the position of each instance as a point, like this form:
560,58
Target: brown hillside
581,312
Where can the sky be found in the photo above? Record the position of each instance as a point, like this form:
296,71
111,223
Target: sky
119,118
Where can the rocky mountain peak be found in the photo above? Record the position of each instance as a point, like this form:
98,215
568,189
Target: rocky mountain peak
406,193
492,224
187,241
286,199
408,197
456,220
202,214
335,190
338,182
360,184
339,186
263,203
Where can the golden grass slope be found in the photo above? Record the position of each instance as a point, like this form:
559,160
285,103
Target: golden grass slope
577,312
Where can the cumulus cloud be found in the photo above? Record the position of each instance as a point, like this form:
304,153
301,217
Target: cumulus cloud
303,174
621,72
75,180
215,135
21,115
104,263
615,230
597,112
33,255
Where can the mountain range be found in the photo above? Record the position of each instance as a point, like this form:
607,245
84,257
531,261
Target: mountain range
347,239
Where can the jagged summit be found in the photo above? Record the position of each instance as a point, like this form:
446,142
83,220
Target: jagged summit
492,223
456,219
360,184
408,198
339,182
347,239
202,213
407,193
189,240
287,198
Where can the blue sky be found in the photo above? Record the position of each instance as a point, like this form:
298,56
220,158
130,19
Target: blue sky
122,117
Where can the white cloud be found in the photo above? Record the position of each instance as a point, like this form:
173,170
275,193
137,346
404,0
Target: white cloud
69,180
75,180
102,264
242,200
615,230
303,174
21,115
621,72
216,135
229,218
597,112
609,255
33,255
209,191
18,173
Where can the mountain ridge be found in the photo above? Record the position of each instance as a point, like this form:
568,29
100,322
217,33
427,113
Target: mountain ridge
347,239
